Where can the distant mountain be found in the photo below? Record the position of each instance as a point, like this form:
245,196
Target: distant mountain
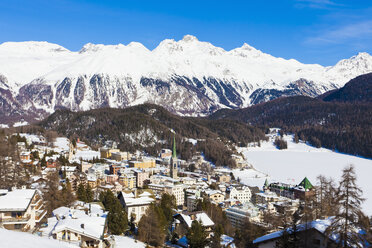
358,89
187,77
345,127
150,127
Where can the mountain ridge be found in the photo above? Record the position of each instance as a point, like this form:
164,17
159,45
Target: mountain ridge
187,77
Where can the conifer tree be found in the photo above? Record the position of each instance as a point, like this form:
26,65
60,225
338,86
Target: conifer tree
150,229
89,194
117,218
197,236
81,193
346,224
216,238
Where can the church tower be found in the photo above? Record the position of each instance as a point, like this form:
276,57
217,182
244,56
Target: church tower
174,164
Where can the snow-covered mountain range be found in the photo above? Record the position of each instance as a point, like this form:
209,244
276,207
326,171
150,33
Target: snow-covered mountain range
187,77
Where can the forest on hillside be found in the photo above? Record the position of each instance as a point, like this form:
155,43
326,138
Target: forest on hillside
342,126
150,128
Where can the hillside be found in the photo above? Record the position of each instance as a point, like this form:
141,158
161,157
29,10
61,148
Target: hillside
150,127
345,127
358,89
187,77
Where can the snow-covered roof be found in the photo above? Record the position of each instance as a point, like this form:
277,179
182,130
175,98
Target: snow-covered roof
16,200
145,194
138,201
320,225
68,168
203,218
91,223
91,226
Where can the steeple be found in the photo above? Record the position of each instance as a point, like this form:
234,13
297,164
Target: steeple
174,155
174,164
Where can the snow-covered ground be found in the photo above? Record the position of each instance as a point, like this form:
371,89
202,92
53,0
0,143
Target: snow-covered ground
14,239
87,154
300,160
122,241
62,142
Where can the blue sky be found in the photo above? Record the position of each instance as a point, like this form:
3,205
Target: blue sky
311,31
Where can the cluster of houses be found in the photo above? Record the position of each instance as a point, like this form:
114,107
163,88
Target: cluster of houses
138,180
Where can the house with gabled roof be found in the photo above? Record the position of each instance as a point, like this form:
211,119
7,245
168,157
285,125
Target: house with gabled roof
83,224
312,234
21,209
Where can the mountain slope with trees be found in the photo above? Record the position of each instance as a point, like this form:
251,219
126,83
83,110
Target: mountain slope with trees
149,127
358,89
345,127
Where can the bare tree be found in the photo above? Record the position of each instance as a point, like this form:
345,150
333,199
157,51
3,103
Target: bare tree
346,223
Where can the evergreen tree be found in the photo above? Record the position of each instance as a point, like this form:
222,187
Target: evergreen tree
52,194
67,195
346,222
150,229
167,204
81,193
216,238
117,218
89,194
197,236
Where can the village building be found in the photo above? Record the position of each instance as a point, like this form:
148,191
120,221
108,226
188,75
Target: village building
242,194
183,221
21,209
84,224
143,163
128,180
135,206
68,171
106,152
238,214
141,177
215,196
310,234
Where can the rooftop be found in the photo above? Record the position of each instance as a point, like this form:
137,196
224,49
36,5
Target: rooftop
16,200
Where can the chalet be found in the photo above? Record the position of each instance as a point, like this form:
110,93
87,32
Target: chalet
84,224
135,206
310,235
184,221
21,209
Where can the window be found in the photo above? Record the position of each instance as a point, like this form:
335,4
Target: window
17,226
316,242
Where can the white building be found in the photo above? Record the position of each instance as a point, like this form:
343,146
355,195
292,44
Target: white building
242,194
69,170
238,214
135,206
84,224
172,189
20,209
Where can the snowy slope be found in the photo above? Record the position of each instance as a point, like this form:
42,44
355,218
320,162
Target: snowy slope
188,76
300,160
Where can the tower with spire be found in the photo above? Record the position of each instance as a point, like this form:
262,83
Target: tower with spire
174,162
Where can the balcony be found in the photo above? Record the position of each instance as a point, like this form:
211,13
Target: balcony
16,220
39,205
36,199
26,228
39,215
